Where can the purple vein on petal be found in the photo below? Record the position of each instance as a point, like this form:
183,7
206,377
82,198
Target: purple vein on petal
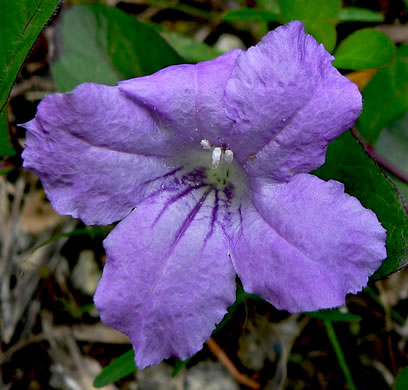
240,218
176,198
186,223
159,190
168,174
214,215
189,219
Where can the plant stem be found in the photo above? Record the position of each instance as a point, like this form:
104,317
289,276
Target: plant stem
379,159
339,353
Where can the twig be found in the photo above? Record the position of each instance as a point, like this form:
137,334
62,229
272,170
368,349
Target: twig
282,366
388,326
33,82
101,334
19,345
224,359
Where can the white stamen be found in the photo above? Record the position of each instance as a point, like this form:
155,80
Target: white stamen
228,156
216,157
205,144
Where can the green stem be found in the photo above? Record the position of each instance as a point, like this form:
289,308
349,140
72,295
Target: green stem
339,353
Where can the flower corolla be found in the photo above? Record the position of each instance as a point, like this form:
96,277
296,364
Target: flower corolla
207,167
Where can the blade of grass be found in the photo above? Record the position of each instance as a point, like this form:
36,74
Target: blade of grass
339,354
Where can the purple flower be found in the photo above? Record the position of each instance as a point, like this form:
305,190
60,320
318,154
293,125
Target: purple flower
206,165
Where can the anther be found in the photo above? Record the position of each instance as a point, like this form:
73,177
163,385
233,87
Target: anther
228,156
216,157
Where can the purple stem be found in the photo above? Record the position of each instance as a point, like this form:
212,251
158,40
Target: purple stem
379,159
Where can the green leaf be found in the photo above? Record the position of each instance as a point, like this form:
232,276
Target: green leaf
347,162
355,14
392,145
402,187
91,231
325,33
5,171
269,5
179,366
21,21
105,45
6,148
364,49
251,15
319,17
121,367
402,380
310,9
188,48
333,315
385,97
241,296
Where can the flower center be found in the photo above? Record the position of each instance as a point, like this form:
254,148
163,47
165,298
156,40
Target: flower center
221,159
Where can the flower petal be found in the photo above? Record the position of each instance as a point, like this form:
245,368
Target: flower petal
318,244
168,278
97,152
288,102
188,98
